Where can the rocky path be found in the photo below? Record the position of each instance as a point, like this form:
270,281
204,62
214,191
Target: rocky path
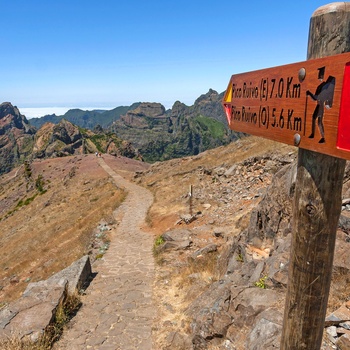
117,309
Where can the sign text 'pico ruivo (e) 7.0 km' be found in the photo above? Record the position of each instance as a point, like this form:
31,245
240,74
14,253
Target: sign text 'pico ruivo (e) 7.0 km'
306,104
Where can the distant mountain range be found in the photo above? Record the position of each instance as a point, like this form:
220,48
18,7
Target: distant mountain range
143,130
85,119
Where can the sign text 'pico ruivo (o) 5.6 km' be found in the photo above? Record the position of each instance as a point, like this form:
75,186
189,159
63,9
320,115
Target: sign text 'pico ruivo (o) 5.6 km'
306,104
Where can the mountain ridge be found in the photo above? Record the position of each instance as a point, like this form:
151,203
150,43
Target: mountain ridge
183,130
144,130
206,104
84,118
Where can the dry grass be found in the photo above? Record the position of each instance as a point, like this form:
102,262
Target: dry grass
148,218
170,181
52,333
64,313
56,228
339,291
15,343
205,268
179,286
179,280
176,290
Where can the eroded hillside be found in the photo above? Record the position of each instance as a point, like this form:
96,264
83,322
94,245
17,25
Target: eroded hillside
49,209
222,264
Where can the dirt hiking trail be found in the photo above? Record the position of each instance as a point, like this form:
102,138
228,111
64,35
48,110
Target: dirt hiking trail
117,311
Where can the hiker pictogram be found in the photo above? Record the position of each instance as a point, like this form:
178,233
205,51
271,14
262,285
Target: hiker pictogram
324,97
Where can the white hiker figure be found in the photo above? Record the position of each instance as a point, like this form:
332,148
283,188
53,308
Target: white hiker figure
324,97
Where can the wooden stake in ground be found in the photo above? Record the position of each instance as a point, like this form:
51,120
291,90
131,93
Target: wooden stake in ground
190,194
317,206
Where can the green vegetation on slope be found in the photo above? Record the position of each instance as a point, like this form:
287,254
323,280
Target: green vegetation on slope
214,128
190,137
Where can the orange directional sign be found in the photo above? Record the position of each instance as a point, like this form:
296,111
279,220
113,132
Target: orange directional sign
306,104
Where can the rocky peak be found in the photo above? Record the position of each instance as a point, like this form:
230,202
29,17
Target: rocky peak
179,109
148,109
145,116
209,104
66,132
10,117
6,108
16,137
98,129
210,96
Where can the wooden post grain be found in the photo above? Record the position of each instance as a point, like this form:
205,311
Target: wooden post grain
317,206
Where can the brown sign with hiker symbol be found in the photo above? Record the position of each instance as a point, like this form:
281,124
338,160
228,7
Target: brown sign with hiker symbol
305,104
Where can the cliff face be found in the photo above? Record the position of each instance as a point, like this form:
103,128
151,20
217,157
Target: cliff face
16,137
181,131
209,104
65,138
59,139
145,116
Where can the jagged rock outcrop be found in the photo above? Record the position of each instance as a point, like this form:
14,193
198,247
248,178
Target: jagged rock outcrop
66,132
65,138
179,109
59,139
272,217
245,306
16,137
10,117
209,104
146,116
152,110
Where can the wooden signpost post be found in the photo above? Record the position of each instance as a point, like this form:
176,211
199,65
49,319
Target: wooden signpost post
306,104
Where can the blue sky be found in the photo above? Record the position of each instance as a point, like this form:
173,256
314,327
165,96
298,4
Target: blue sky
115,52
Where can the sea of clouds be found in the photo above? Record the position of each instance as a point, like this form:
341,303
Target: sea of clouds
36,112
